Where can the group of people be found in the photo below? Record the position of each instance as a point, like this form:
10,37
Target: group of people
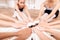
22,20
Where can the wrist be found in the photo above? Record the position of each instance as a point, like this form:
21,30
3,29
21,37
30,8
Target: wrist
15,34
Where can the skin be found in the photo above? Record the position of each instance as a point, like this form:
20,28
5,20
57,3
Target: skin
5,23
41,35
11,24
50,28
6,35
56,34
54,10
2,16
21,4
49,3
25,35
55,24
20,34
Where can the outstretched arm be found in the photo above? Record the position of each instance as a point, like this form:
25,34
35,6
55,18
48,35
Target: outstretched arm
6,34
56,22
41,35
20,13
22,34
7,18
5,23
27,13
54,32
54,11
40,12
14,25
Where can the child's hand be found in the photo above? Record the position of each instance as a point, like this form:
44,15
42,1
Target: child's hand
25,33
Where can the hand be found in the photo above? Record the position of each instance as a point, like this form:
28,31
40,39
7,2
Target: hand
25,33
42,23
36,29
43,19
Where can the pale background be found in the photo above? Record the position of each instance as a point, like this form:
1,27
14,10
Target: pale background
32,4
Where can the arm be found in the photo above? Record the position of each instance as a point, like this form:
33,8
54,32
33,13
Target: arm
54,11
7,18
28,14
41,35
17,9
20,13
6,34
22,34
56,22
54,33
15,25
41,11
5,23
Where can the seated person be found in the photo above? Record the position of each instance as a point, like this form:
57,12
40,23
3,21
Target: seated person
50,9
21,11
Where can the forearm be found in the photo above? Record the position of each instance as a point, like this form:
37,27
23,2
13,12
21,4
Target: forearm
8,18
43,36
54,33
6,23
24,34
28,14
53,11
56,22
40,13
56,26
7,34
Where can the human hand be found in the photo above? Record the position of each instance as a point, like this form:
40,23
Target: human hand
24,34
